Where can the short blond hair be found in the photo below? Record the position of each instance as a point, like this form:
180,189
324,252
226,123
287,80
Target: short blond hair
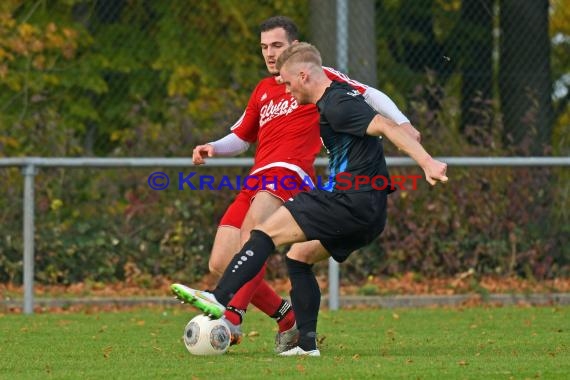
301,52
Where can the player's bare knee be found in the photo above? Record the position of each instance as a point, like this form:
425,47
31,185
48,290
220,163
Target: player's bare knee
300,254
310,252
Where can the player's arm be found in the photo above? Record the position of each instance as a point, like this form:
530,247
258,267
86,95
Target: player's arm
382,104
434,170
378,100
227,146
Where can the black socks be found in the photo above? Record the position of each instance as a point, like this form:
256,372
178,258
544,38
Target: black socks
306,299
244,265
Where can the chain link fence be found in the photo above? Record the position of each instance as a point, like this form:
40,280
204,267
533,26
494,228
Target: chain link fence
108,78
121,78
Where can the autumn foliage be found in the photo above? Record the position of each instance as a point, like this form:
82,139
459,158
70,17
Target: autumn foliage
153,79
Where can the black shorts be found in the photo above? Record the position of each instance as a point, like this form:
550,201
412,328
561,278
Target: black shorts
342,222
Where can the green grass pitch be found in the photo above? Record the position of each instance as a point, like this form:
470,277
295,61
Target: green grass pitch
438,343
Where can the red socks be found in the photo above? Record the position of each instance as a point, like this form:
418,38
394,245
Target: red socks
266,300
259,293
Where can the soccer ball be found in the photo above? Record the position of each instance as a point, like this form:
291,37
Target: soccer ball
205,336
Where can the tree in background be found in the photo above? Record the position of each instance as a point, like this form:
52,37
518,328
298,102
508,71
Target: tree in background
152,78
360,43
475,41
525,80
560,63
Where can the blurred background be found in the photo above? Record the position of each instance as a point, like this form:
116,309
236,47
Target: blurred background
141,78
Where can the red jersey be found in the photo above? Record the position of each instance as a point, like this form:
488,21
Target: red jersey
287,134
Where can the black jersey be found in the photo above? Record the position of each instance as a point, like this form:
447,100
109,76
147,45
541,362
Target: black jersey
344,118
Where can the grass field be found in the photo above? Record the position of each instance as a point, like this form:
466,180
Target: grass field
470,343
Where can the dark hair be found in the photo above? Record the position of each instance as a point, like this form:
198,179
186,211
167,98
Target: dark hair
281,22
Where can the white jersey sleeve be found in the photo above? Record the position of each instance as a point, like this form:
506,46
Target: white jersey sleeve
379,101
384,105
229,145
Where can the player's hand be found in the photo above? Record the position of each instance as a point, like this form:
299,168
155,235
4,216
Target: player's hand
413,132
435,171
201,152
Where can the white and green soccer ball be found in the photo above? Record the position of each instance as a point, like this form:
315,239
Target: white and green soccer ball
205,336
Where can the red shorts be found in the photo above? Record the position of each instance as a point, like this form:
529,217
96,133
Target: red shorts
280,182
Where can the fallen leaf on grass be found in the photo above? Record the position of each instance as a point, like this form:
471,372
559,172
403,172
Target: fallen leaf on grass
106,351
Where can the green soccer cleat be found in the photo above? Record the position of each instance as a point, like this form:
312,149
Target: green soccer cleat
202,300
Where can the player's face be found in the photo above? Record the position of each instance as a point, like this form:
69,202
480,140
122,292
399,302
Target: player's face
273,42
294,84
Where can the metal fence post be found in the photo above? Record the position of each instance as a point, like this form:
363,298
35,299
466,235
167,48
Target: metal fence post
334,285
342,62
29,172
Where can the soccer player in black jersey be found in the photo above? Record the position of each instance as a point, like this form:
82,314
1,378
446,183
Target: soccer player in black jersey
337,219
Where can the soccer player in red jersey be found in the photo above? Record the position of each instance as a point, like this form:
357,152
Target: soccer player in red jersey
288,141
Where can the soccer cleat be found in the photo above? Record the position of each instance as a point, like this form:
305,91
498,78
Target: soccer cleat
298,351
204,301
287,339
235,332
